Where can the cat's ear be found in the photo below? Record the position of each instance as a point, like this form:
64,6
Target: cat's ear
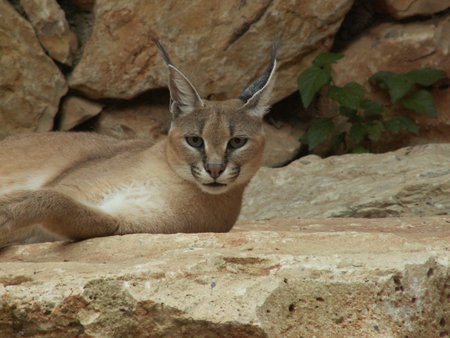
184,98
256,96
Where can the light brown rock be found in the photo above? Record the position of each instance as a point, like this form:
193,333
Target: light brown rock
401,9
323,278
282,144
412,181
76,110
30,83
52,29
401,48
138,119
221,45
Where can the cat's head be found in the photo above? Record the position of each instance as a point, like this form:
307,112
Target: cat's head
217,144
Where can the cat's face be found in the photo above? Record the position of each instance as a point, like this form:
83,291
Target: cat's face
217,147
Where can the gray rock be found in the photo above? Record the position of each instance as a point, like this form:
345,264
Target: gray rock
412,181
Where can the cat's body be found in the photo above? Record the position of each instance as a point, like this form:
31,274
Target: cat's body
79,185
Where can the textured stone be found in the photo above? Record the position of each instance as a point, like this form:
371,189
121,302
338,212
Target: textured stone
401,9
52,29
323,278
282,144
138,119
30,83
401,48
411,181
221,45
76,110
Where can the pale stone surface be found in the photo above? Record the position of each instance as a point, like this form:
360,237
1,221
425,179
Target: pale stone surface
401,48
401,9
138,119
30,83
324,278
412,181
282,144
221,45
76,110
52,29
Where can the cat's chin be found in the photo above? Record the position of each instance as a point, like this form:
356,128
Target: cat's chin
214,188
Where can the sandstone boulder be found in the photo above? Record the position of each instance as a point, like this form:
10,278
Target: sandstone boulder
52,29
401,9
221,45
323,278
30,83
76,110
401,48
147,117
412,181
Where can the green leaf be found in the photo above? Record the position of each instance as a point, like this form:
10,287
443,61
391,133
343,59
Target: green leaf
421,102
426,76
318,132
399,123
360,150
337,141
358,132
327,59
349,113
349,96
310,81
398,85
381,79
372,108
375,130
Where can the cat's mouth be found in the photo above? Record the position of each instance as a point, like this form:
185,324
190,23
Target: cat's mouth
214,184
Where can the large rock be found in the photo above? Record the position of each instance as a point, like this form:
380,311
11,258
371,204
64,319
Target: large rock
30,83
401,9
222,46
412,181
76,110
52,29
147,117
401,48
323,278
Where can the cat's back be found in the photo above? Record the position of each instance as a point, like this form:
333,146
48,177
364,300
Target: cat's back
28,161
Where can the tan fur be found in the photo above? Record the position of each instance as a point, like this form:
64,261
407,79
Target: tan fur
82,185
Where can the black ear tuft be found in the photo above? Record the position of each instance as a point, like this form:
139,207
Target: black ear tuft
162,52
256,96
184,98
261,82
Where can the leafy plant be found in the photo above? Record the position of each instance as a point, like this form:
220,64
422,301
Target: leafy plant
368,120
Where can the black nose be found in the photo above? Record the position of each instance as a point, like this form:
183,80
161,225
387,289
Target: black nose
214,170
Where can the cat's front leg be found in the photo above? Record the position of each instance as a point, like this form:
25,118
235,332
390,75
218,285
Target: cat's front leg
56,212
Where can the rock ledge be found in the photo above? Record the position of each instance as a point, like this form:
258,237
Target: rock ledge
286,278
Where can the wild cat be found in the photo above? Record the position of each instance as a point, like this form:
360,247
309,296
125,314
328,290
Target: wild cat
72,186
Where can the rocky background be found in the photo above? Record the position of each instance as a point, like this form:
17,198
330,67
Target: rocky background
92,65
344,246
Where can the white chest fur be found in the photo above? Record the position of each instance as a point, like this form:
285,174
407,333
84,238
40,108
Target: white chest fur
133,198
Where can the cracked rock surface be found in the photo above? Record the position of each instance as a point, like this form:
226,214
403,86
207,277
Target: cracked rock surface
281,278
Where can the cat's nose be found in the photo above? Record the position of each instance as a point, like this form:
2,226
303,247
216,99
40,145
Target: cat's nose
214,170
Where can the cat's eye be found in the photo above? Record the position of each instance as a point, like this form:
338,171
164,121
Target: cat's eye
237,142
194,141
